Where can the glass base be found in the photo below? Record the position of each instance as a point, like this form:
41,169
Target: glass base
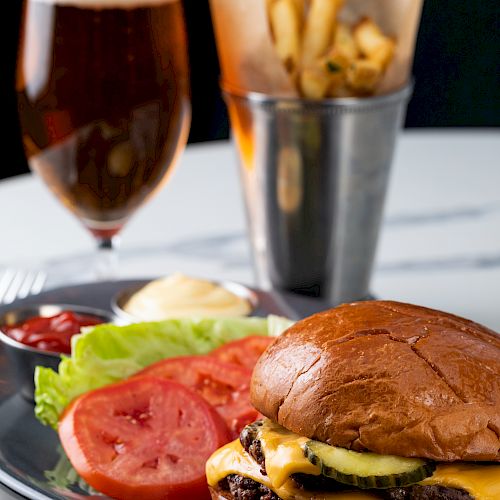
225,257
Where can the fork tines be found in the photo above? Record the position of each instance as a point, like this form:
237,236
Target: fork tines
19,283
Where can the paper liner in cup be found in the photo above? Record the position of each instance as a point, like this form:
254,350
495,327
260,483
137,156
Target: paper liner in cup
249,60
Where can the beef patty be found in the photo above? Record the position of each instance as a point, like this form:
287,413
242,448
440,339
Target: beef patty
242,488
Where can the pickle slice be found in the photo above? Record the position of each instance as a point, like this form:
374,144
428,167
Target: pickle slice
367,470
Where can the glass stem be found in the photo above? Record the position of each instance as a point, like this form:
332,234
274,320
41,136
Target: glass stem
106,266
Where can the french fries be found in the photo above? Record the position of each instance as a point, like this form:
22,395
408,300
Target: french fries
324,56
372,43
318,29
363,75
300,5
285,26
344,43
314,82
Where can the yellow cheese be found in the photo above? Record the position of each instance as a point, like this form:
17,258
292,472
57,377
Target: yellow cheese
481,481
233,459
284,456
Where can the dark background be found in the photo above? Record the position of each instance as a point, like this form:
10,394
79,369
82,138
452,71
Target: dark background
456,68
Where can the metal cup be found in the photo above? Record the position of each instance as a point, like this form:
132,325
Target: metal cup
314,176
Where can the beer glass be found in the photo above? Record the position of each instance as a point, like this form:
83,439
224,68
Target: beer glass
103,100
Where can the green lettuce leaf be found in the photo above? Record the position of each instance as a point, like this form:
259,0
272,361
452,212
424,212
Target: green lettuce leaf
108,353
64,477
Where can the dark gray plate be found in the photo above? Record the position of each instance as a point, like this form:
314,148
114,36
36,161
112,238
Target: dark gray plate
28,449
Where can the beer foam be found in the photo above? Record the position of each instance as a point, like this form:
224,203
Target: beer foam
107,4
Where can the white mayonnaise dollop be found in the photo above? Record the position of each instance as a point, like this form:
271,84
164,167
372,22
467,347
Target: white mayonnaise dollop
178,296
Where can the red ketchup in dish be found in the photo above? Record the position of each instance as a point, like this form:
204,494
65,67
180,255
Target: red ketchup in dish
53,333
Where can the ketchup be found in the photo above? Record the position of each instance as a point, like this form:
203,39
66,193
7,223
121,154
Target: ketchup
53,333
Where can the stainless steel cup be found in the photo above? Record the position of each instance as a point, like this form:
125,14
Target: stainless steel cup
314,176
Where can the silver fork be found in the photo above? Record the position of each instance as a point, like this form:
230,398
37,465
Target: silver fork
19,283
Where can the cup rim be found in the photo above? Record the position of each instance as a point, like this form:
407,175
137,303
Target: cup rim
402,93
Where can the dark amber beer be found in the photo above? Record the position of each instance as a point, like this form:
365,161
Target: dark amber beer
103,99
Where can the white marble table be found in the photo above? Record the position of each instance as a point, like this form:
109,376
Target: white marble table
440,244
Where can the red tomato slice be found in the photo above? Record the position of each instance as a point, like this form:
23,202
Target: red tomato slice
143,438
224,385
244,352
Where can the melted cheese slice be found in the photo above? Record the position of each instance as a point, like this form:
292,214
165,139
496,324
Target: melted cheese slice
233,459
284,456
481,481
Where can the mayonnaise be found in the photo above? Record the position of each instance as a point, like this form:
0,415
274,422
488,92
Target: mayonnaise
179,296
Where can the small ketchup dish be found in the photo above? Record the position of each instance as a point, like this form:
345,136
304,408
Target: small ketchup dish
37,335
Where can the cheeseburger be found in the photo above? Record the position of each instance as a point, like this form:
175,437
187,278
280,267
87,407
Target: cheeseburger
371,400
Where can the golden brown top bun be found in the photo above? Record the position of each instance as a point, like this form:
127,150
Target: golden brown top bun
387,377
